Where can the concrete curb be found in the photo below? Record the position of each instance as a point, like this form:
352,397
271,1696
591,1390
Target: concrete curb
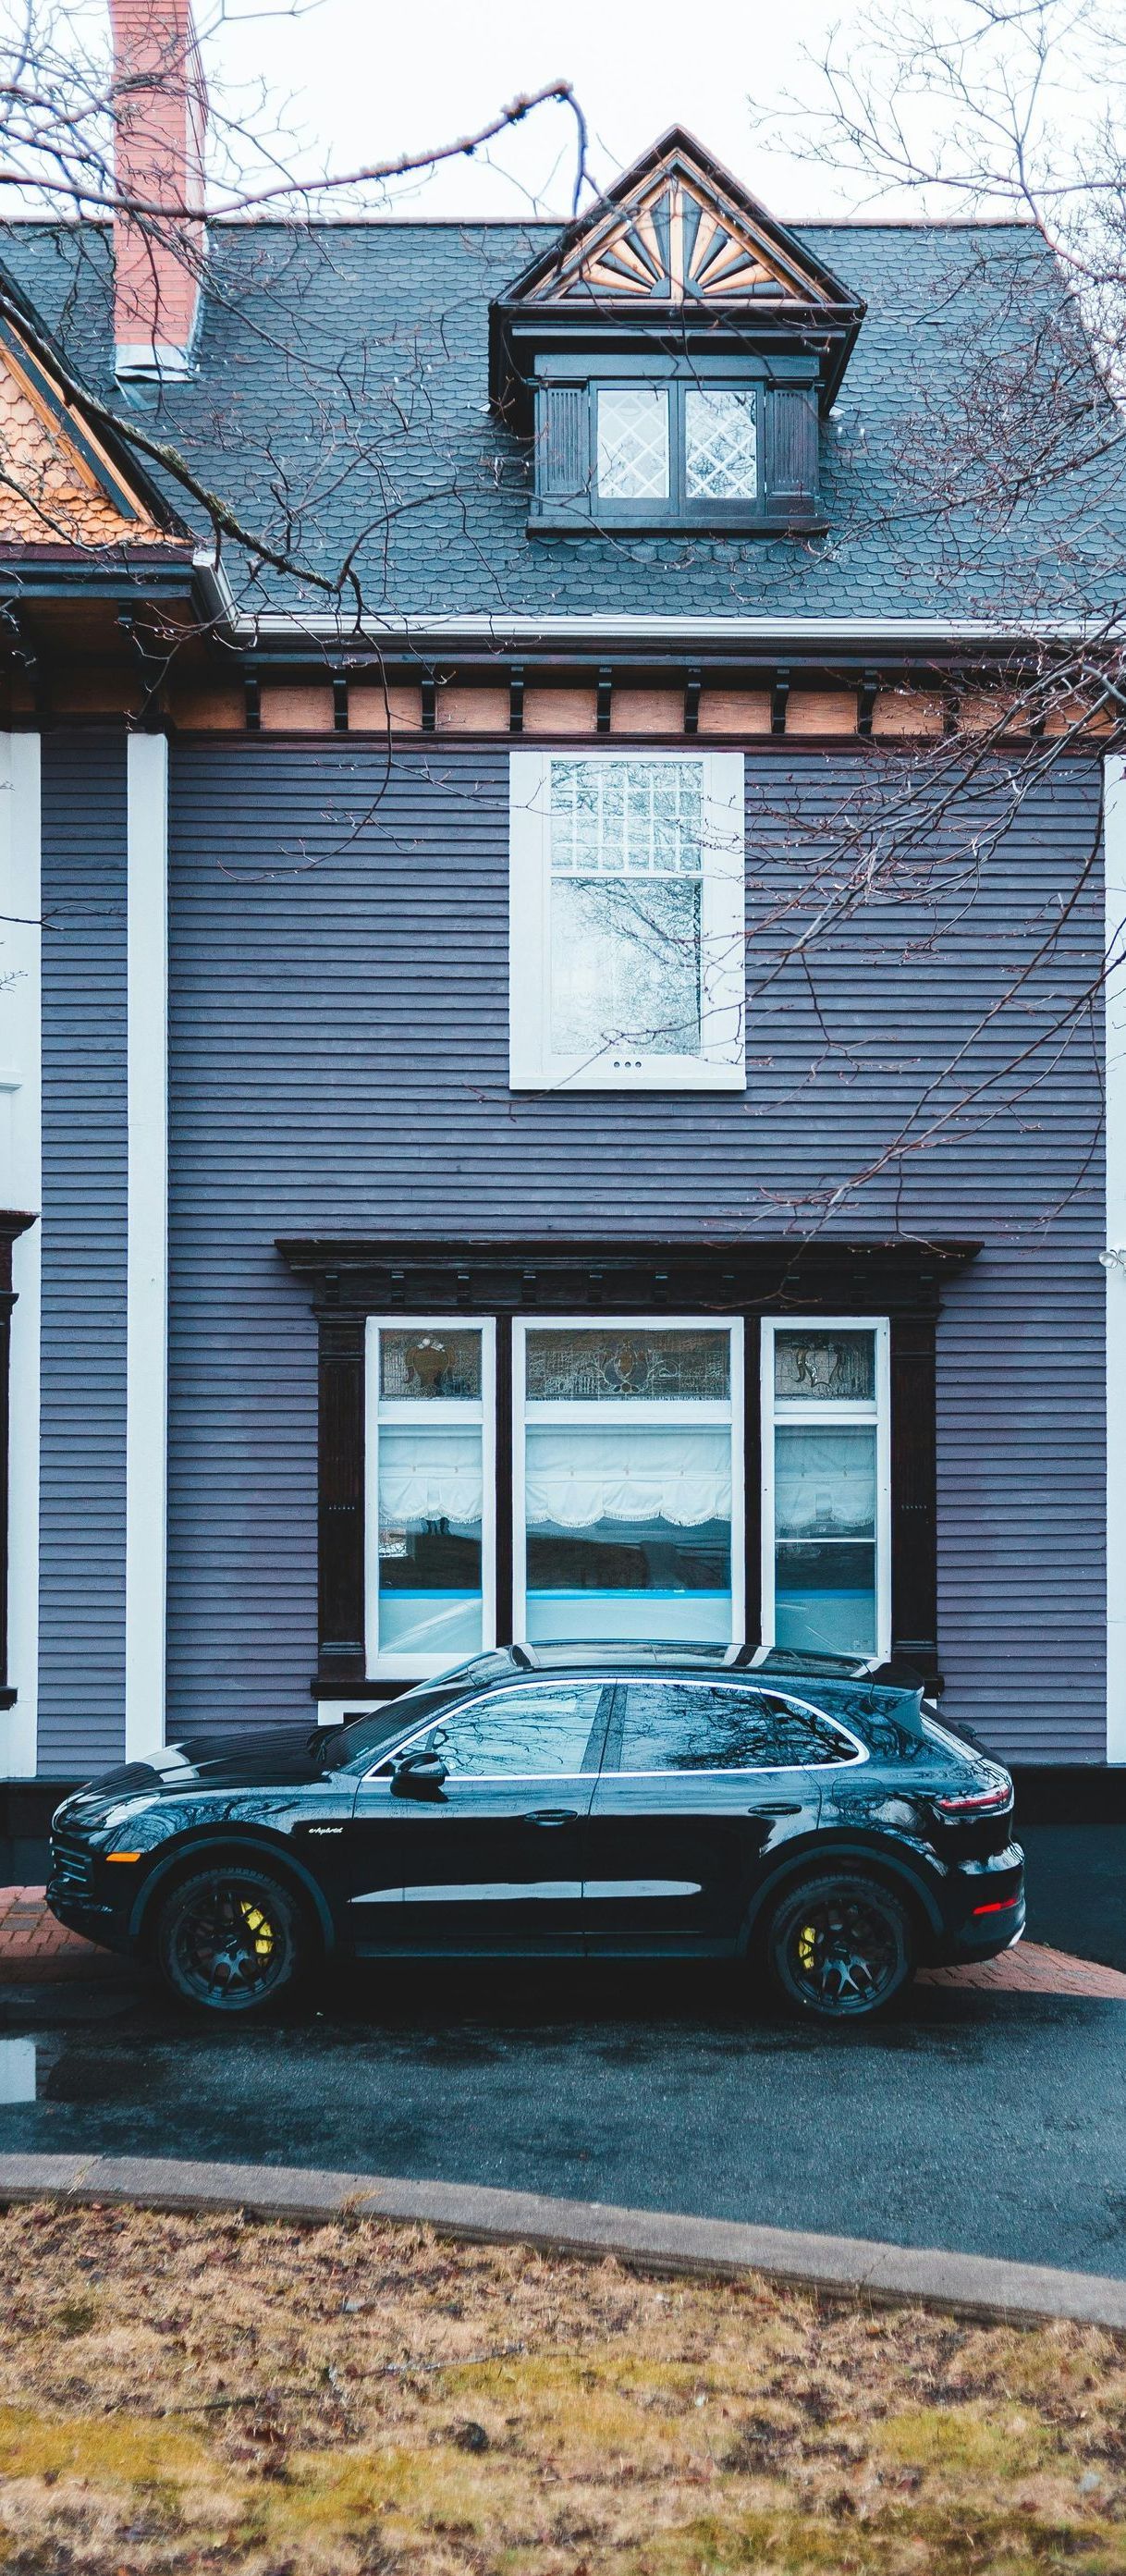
969,2285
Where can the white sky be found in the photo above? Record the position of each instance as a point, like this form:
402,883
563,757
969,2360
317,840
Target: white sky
367,79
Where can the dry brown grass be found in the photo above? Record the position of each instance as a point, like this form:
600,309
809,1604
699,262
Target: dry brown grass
181,2394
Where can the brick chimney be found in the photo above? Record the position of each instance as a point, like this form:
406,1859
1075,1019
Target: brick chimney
160,113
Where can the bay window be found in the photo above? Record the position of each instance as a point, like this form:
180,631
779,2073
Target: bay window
430,1494
627,966
826,1484
627,1485
561,1441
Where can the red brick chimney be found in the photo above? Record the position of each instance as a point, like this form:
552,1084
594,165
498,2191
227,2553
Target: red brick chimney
160,112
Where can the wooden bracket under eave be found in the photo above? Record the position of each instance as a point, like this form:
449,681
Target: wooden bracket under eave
867,694
779,699
603,699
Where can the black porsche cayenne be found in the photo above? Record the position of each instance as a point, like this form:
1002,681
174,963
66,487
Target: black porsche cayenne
806,1814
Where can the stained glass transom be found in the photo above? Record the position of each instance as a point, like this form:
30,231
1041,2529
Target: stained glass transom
575,1367
633,443
426,1363
825,1368
721,449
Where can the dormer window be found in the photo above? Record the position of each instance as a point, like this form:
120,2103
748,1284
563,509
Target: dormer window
632,442
683,446
655,444
670,359
720,443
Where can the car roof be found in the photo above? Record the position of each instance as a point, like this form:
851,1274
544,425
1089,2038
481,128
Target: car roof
589,1655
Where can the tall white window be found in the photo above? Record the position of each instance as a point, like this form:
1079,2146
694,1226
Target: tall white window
627,921
826,1572
628,1480
430,1498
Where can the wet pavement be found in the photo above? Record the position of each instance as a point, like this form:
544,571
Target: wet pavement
983,2122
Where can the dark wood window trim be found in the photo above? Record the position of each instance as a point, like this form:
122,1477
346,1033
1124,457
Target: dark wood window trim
352,1280
11,1226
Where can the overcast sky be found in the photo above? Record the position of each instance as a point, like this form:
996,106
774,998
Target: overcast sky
368,79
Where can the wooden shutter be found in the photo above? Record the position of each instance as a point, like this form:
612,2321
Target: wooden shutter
562,441
791,450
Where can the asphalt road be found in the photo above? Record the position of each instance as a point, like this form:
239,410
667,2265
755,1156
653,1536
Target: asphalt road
986,2123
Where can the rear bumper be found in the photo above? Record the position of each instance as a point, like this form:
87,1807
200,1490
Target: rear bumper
987,1909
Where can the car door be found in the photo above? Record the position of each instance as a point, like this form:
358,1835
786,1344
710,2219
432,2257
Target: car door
702,1786
491,1858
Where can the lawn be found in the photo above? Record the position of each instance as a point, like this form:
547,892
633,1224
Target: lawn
181,2394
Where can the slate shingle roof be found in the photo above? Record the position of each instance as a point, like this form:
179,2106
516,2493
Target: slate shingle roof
341,401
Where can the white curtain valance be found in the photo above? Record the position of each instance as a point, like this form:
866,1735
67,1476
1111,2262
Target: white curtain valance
575,1478
429,1475
825,1483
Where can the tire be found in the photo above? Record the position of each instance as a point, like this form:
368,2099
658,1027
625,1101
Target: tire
231,1940
840,1948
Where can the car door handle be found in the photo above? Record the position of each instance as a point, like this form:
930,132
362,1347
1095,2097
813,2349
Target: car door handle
552,1816
779,1807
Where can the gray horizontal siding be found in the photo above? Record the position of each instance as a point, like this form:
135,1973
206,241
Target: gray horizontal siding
339,1065
82,1526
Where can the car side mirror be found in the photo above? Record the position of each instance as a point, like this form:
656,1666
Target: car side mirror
418,1774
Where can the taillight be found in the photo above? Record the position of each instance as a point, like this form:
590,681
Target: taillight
980,1802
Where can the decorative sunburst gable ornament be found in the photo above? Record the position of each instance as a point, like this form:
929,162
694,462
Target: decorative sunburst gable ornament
676,244
679,239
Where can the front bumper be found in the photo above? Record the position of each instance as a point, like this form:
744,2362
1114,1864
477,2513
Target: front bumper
78,1897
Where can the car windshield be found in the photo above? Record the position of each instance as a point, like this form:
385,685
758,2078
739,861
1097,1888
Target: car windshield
366,1734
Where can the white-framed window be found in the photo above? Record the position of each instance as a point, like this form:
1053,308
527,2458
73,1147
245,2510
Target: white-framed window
628,1500
826,1484
430,1498
627,966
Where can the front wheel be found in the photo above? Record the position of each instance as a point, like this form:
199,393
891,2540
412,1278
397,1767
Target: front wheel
839,1948
230,1939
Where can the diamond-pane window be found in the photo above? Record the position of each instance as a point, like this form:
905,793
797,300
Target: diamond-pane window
633,443
721,460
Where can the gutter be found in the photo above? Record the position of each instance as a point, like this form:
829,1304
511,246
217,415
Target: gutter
919,633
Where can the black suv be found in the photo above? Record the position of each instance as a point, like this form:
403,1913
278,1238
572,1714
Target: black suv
807,1814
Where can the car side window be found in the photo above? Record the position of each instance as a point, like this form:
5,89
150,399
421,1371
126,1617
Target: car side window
534,1731
696,1726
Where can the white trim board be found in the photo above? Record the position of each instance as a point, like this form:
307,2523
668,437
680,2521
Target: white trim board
21,1187
1115,1256
146,1398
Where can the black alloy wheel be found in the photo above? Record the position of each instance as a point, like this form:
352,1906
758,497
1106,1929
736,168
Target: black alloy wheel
230,1939
840,1948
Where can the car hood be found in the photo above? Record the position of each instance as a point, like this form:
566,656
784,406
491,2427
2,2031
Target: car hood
277,1758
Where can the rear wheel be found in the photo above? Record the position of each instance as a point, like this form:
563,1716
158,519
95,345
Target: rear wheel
839,1948
230,1939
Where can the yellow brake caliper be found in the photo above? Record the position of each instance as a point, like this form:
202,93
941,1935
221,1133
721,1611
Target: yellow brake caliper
261,1932
807,1946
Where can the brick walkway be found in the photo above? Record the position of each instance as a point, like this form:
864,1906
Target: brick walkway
34,1948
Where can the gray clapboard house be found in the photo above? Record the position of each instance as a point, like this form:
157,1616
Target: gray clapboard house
537,1108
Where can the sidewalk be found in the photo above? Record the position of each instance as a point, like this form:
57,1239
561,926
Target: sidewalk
35,1949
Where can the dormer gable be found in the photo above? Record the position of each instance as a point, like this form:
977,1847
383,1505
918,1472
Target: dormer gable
671,355
66,480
